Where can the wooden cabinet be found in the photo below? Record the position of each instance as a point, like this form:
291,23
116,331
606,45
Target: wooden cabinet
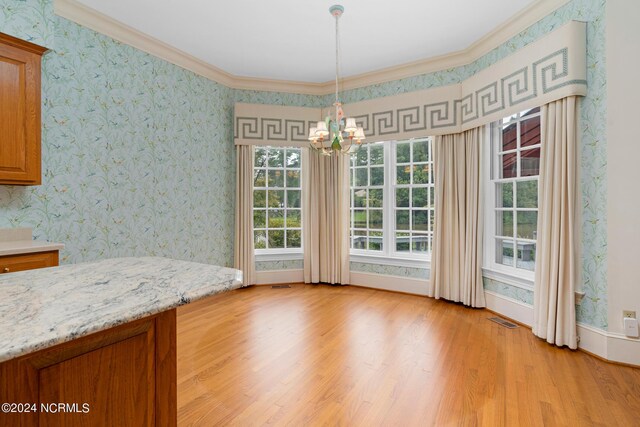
20,124
31,261
124,376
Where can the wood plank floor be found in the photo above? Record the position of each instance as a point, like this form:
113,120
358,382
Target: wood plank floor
321,355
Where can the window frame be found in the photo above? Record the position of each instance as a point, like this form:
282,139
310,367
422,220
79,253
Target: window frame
510,274
278,254
389,255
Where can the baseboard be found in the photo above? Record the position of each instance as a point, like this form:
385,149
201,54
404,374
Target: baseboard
406,285
605,345
279,276
509,307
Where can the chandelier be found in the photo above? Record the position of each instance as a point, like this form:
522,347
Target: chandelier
344,135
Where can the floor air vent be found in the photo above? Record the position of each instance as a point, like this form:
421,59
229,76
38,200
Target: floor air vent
280,286
503,322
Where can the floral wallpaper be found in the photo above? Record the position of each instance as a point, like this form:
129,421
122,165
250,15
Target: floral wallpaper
30,20
391,270
289,264
513,292
137,153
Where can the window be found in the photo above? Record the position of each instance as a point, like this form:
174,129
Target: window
516,167
277,219
367,197
414,196
392,199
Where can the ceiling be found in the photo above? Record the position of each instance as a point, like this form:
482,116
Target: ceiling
294,39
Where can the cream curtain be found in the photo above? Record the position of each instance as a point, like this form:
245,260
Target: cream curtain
554,313
325,217
456,264
243,249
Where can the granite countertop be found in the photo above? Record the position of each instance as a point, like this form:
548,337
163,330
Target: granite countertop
17,247
49,306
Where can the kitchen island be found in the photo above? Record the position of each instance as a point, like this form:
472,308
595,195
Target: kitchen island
94,343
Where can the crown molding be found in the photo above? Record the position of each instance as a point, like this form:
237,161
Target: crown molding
90,18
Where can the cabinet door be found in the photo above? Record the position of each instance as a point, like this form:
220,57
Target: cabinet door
19,111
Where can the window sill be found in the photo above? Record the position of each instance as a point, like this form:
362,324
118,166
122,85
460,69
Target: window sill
277,255
397,262
511,279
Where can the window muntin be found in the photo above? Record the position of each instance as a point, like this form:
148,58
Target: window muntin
516,160
414,196
277,216
367,184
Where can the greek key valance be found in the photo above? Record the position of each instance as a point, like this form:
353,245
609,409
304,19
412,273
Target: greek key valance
551,68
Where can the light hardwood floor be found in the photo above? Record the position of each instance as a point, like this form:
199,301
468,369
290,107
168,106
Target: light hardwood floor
321,355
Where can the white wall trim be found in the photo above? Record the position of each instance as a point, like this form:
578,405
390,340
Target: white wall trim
509,307
390,283
607,345
90,18
509,279
269,277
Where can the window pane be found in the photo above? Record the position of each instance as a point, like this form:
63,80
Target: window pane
361,177
276,239
276,218
530,162
402,219
527,224
419,243
359,239
259,198
375,218
421,174
293,158
293,198
403,242
526,256
402,197
420,220
375,198
375,241
362,157
259,218
421,151
403,153
527,194
377,154
504,252
504,226
260,158
420,197
403,174
530,112
360,198
276,157
510,137
293,178
276,178
293,238
432,218
293,218
259,178
509,165
359,218
530,132
276,198
377,175
260,239
504,195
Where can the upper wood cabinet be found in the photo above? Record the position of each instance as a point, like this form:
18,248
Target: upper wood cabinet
20,64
